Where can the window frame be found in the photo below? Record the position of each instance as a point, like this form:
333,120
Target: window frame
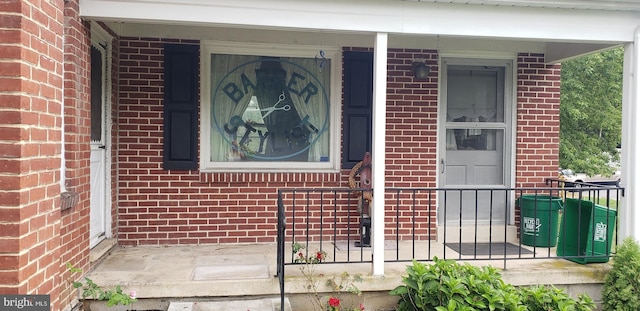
260,49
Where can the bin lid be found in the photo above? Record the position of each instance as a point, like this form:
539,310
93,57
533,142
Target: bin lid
540,202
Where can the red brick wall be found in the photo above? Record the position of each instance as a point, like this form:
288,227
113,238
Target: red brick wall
11,198
412,119
183,207
113,115
538,120
74,231
30,134
189,207
148,197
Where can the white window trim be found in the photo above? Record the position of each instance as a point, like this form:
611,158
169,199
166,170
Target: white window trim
220,47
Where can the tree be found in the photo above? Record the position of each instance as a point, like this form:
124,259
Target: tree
591,112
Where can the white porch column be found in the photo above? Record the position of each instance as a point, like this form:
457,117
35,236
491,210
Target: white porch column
629,213
379,141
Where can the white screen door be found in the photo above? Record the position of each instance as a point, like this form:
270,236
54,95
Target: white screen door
98,212
476,128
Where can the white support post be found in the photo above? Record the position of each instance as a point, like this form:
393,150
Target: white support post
379,142
629,215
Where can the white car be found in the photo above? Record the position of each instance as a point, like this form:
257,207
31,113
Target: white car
570,177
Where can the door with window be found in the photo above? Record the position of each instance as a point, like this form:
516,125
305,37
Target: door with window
476,127
98,210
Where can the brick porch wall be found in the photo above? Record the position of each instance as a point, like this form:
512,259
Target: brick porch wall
74,231
538,120
113,115
188,207
156,206
412,119
30,134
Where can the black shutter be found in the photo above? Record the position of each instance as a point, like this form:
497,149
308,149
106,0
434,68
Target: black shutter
358,106
181,107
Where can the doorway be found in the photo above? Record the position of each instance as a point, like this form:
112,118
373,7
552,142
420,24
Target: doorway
99,215
476,123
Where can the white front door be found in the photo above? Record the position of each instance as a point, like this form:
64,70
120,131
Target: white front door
98,214
476,127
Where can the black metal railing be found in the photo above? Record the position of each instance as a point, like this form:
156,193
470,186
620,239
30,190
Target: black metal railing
453,223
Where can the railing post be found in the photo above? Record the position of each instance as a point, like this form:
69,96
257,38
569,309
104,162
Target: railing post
280,245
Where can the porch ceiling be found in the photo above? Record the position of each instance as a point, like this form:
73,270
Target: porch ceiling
560,30
318,38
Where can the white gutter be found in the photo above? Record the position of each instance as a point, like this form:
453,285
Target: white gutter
391,17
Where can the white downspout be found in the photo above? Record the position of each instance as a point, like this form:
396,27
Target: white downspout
629,215
379,141
63,160
63,165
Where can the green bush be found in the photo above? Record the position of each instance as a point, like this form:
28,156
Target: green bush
447,285
621,290
546,297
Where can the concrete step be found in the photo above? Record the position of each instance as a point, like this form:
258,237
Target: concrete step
266,304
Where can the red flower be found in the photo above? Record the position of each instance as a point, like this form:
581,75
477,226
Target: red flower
300,254
361,307
319,256
334,302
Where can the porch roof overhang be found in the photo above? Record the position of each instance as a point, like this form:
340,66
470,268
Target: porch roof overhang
559,29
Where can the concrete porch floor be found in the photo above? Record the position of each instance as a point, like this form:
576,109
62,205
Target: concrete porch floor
235,277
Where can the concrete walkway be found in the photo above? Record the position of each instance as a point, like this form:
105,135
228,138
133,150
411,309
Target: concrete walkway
241,277
190,271
194,278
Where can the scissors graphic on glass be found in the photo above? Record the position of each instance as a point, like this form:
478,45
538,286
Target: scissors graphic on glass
274,107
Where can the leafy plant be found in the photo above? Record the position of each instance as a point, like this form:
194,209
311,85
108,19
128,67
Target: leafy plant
447,285
548,297
339,285
621,290
113,296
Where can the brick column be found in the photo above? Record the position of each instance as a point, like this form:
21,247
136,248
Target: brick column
74,231
30,114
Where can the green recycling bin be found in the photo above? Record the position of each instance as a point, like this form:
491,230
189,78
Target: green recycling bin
587,231
539,217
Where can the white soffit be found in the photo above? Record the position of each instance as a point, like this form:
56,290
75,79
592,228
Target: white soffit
559,52
606,5
518,20
317,38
